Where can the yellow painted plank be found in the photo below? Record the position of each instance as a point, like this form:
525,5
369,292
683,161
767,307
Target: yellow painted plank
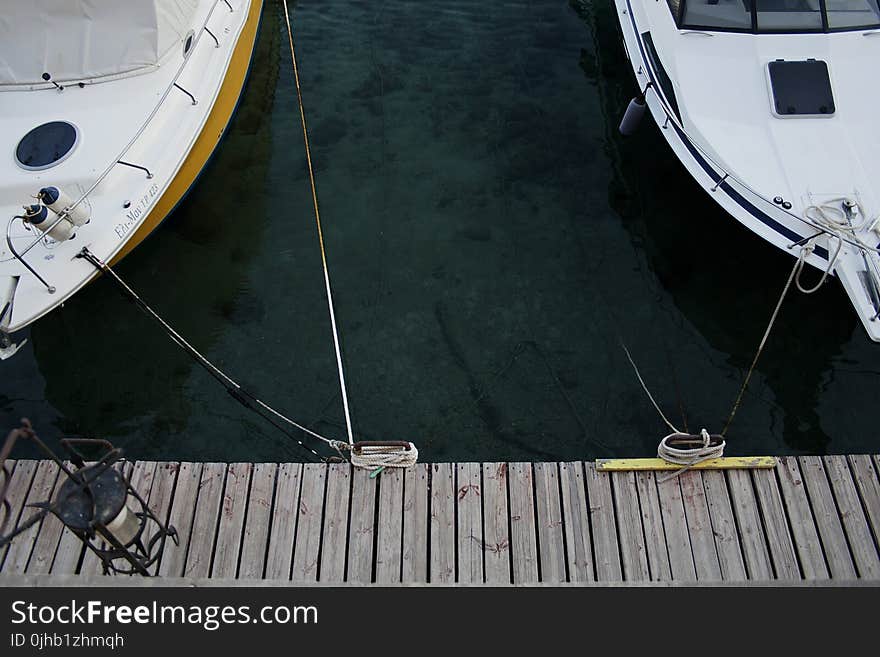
724,463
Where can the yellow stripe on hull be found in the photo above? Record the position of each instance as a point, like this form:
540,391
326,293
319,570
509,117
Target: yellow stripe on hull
724,463
211,133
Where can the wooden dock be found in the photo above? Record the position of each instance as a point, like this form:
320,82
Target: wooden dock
810,518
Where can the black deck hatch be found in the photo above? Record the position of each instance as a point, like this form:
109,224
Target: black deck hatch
801,88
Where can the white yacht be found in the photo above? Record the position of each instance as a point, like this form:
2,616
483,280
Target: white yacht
108,112
772,107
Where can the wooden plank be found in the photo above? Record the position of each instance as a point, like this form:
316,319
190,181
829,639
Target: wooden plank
605,545
779,540
415,524
279,557
678,540
162,491
232,512
868,484
858,533
6,523
827,519
308,524
696,509
256,524
142,475
745,508
730,557
523,538
69,550
161,496
496,544
48,540
19,486
68,555
551,539
442,523
361,527
204,527
579,553
183,507
469,506
142,478
803,527
634,557
390,530
659,465
42,486
335,541
652,523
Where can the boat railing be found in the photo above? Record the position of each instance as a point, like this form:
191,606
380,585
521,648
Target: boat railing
119,158
728,177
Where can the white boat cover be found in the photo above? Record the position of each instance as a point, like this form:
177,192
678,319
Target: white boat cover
75,40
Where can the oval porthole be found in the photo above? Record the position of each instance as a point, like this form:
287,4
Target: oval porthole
46,145
188,43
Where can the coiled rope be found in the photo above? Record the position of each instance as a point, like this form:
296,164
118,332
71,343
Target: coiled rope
836,217
373,455
693,454
704,446
384,455
699,448
832,214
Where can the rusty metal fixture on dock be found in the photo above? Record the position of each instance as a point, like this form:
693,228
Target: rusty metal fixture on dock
95,501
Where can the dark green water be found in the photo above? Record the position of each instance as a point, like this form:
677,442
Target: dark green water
491,240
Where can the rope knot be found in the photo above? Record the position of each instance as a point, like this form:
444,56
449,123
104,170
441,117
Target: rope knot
707,439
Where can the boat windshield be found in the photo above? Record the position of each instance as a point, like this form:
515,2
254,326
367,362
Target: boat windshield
776,15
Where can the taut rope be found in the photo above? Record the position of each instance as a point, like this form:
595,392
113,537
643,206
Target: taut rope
302,116
232,387
795,271
363,454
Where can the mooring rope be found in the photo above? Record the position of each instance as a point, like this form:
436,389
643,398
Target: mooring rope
798,265
302,115
233,388
689,456
703,446
379,456
666,450
645,388
374,455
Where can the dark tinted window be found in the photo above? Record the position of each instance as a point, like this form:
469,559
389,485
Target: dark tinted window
729,14
785,15
777,15
852,13
45,145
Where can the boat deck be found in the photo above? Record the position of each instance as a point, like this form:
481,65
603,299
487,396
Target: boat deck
810,518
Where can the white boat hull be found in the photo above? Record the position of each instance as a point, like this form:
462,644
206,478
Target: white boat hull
152,121
731,143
